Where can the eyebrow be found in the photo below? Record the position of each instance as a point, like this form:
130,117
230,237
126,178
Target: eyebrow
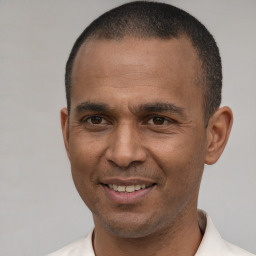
148,107
91,106
160,107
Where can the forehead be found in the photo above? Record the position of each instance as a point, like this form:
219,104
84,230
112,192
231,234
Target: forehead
131,65
106,57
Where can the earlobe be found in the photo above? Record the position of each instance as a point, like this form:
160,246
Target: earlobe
65,127
218,131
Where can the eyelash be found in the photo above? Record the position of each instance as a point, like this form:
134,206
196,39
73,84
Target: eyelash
160,118
85,119
148,119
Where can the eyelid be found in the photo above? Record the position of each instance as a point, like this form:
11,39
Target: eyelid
86,118
168,119
106,120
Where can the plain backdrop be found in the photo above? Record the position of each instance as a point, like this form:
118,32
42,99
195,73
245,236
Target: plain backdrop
40,210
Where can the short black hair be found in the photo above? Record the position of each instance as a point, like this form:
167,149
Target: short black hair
146,19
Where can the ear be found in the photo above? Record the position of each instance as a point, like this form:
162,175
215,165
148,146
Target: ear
218,131
64,127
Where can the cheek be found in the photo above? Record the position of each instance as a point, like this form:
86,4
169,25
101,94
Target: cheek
85,151
181,158
85,156
84,161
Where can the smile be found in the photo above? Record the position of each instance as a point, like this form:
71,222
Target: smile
127,193
126,189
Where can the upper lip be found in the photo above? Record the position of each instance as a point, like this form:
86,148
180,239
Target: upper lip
127,181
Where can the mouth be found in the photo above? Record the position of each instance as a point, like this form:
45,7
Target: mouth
128,189
127,192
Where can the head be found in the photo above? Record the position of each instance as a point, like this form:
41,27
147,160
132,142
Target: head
143,85
151,20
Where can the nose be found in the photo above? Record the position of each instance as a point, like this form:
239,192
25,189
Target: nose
125,147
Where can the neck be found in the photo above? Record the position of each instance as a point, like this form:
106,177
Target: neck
183,237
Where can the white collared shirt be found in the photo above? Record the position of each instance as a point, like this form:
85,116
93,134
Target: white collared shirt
211,245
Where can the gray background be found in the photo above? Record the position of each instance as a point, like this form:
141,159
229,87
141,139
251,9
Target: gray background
40,209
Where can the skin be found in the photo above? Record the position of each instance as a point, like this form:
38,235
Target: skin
124,134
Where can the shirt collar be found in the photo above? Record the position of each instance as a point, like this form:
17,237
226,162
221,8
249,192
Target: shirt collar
212,243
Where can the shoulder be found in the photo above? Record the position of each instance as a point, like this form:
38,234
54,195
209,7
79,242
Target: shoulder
212,242
70,249
235,250
81,247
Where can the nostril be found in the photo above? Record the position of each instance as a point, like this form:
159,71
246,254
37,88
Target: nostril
125,146
122,166
126,158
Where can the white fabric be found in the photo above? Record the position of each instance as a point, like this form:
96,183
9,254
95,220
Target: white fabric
211,245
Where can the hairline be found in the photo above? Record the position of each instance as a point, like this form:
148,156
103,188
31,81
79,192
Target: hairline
200,79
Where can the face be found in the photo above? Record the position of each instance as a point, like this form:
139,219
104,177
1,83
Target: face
136,138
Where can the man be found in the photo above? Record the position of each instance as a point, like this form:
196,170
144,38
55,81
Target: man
143,86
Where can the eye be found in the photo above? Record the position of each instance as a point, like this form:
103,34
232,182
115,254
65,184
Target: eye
158,120
95,120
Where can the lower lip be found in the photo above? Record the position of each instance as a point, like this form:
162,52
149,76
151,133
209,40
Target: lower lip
127,198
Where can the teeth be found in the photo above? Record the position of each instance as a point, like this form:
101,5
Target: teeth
130,189
121,188
127,189
137,187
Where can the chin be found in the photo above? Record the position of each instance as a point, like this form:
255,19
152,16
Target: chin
131,226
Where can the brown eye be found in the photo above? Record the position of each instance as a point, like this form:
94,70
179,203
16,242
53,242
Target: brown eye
95,120
158,120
